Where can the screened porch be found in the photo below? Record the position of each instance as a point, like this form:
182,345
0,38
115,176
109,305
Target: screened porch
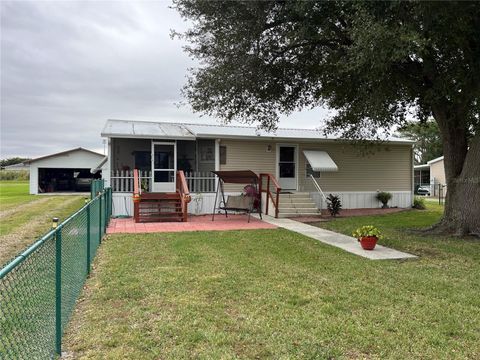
158,161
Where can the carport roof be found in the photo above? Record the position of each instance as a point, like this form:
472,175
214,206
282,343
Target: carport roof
63,153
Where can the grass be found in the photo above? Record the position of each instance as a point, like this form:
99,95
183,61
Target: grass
24,217
277,294
13,193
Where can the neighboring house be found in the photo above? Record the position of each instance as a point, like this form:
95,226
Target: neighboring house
66,171
431,174
17,167
296,157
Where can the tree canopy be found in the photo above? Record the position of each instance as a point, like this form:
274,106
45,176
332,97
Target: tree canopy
428,142
371,61
12,161
376,63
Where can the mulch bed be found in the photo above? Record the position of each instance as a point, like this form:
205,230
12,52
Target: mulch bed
347,213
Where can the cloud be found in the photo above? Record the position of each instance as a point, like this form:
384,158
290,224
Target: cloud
66,67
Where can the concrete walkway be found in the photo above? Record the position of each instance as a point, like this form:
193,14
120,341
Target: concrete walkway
341,241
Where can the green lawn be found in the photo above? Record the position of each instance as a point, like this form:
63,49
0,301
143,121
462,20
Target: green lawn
24,217
275,294
13,193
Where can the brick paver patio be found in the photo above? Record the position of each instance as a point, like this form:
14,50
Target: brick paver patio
194,223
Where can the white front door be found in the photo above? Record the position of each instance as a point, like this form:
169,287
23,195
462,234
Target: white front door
164,166
287,166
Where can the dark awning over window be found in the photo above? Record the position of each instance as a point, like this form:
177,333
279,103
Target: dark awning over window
237,176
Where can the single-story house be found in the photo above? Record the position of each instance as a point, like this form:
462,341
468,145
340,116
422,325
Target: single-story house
17,167
431,174
66,171
304,162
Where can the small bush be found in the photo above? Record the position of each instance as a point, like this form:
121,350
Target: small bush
14,175
334,205
384,197
419,203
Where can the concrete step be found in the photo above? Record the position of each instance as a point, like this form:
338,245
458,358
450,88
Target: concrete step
296,210
296,195
297,205
292,215
296,200
306,202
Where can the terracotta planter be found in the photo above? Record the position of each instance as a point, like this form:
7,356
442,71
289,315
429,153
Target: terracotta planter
368,242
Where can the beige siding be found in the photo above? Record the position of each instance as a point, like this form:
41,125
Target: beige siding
390,168
248,155
437,172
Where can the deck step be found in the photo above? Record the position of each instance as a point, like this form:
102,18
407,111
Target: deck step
160,207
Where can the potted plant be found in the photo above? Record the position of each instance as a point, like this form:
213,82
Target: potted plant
368,236
384,197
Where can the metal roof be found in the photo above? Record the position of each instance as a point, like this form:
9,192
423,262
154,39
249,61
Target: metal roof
64,153
189,131
146,129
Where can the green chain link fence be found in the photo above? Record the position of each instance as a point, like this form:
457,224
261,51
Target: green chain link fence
39,288
96,187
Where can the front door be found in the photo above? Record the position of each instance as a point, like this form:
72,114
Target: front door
164,166
287,167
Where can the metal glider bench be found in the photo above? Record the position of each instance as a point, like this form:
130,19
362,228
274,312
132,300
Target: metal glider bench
247,203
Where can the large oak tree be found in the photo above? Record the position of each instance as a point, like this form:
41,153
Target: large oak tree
375,63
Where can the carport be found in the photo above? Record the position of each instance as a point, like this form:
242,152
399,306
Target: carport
63,172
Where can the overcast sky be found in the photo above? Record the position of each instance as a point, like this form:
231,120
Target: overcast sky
67,66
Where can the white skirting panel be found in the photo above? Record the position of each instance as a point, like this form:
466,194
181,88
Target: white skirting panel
202,203
365,199
122,204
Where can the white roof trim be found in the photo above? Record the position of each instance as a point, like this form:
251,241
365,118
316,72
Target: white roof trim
320,160
99,166
421,167
435,160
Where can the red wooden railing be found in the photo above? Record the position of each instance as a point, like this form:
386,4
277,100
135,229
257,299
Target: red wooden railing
271,181
182,190
136,195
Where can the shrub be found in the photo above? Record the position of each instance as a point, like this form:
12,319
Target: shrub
419,203
334,205
384,197
14,175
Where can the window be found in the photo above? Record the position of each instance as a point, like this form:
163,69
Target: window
309,171
223,155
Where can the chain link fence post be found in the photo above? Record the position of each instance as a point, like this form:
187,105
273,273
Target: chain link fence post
88,239
58,290
100,219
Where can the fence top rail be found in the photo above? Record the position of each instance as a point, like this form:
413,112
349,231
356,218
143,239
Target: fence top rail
32,248
22,256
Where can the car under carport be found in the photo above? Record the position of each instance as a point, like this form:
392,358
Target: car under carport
64,172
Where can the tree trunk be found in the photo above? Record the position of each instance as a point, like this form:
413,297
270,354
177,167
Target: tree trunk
462,172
